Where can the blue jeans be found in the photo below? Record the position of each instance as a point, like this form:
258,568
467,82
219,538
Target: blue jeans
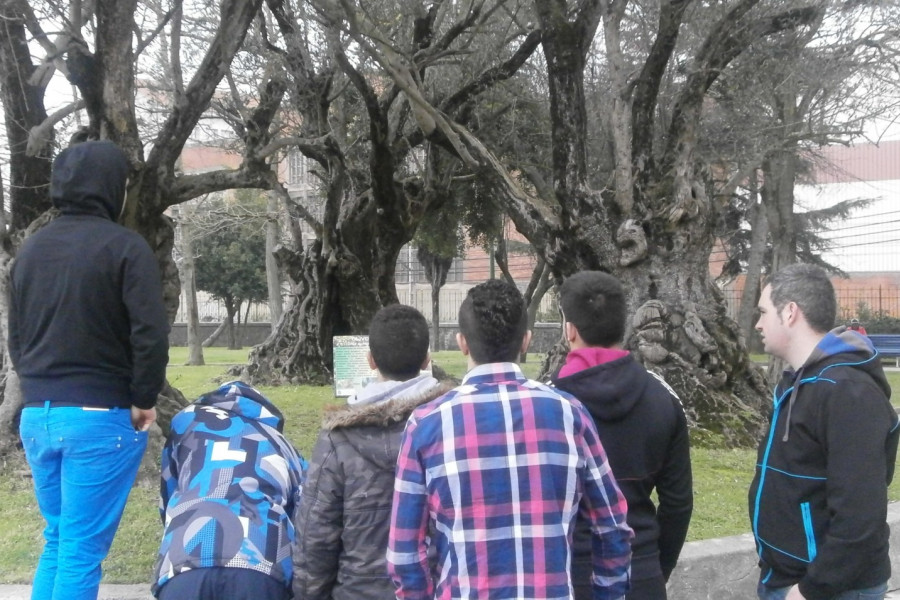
874,593
83,462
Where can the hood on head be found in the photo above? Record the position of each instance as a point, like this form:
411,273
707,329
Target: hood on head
241,399
89,179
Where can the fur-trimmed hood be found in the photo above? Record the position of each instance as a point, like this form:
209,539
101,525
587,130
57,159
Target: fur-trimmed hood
345,515
384,414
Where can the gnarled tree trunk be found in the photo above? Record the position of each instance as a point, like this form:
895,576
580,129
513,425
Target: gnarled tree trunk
332,294
654,231
106,81
29,198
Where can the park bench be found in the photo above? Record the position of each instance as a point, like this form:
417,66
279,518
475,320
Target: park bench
887,345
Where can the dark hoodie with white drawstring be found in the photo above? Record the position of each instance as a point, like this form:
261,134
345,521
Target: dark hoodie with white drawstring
818,501
87,323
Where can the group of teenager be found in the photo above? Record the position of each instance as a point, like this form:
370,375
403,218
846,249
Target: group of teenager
498,487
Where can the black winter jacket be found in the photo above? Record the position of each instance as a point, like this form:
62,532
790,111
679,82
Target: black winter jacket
644,432
345,512
818,501
87,324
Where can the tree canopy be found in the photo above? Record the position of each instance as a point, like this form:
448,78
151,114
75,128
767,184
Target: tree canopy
231,261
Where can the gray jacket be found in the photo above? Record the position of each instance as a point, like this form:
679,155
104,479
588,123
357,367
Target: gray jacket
345,512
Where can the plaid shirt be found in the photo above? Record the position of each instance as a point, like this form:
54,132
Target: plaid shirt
493,474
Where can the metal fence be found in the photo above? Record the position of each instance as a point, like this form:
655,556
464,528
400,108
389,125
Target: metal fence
451,299
862,302
419,296
211,310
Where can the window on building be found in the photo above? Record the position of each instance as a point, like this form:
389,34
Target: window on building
410,269
298,168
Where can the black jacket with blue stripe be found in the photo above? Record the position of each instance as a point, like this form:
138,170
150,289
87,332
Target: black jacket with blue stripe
818,501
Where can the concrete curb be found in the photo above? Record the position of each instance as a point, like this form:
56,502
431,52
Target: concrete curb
140,591
726,568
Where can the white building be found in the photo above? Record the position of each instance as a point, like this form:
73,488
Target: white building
868,240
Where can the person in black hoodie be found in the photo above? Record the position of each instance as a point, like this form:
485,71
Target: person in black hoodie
88,337
642,427
818,500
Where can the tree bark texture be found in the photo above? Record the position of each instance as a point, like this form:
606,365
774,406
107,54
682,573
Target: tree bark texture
230,311
273,273
337,284
657,236
340,280
29,179
106,80
189,291
215,335
540,284
750,293
24,110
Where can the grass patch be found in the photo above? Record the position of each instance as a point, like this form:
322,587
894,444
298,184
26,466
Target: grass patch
133,552
721,480
21,522
213,355
193,381
721,476
893,378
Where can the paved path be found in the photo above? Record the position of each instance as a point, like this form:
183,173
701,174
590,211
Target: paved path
107,592
142,592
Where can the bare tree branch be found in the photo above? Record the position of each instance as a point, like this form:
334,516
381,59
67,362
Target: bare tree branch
235,19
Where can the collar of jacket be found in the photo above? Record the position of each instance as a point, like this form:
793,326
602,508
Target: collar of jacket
383,414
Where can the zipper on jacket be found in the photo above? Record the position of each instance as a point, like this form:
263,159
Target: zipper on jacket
764,465
808,529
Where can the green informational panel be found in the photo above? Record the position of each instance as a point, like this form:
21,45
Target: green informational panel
351,364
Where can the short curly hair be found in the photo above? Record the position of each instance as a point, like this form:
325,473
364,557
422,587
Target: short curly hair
493,318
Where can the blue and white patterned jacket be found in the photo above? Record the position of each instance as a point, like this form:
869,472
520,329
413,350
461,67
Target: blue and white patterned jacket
230,484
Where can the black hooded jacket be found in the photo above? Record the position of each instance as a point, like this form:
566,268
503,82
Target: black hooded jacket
818,502
87,323
644,432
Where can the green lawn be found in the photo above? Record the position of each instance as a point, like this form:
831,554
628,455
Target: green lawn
721,476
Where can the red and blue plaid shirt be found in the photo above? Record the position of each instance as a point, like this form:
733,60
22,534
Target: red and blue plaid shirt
493,474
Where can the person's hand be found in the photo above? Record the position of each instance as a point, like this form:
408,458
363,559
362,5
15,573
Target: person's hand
142,418
794,593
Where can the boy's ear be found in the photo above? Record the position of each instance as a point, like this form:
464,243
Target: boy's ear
570,331
371,360
426,361
462,343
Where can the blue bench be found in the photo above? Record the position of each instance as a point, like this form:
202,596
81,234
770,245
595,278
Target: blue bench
887,345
